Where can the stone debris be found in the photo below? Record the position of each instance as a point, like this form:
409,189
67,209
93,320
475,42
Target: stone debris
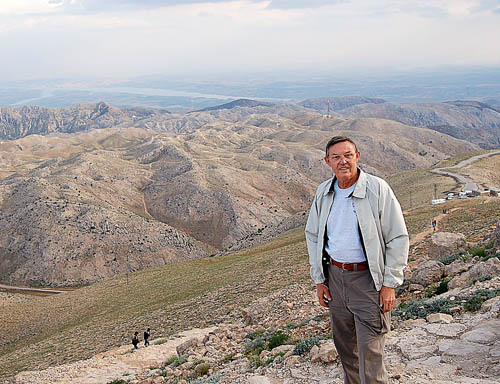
456,347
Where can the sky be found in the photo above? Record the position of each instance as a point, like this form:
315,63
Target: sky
126,38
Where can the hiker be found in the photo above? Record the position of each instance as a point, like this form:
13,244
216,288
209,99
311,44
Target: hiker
434,225
358,247
147,333
135,340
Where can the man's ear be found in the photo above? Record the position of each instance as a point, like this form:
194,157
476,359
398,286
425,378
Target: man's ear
327,160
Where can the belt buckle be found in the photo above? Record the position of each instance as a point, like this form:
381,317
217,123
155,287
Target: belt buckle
343,267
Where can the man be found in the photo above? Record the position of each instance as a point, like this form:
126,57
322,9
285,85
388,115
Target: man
358,247
147,333
135,340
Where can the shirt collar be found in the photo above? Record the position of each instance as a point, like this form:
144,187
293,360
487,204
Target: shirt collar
359,191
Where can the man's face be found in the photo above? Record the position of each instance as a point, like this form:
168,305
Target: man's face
343,160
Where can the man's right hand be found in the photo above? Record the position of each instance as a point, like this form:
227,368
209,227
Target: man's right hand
322,291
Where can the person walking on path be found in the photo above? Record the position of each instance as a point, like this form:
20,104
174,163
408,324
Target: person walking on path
147,333
357,243
434,225
135,340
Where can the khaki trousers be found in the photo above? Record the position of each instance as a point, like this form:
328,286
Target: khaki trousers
359,326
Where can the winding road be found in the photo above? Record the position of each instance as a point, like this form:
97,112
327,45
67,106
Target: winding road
470,185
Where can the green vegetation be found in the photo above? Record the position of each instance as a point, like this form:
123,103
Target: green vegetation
175,360
305,346
420,309
117,381
261,341
447,260
475,301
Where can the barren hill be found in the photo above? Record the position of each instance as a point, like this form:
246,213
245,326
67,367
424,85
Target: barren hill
468,120
76,208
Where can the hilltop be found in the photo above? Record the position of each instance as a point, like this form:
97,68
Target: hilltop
160,187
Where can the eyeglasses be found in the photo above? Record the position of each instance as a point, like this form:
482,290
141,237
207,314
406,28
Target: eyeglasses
337,158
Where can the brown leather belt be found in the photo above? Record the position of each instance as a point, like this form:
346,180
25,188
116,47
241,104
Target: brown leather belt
351,267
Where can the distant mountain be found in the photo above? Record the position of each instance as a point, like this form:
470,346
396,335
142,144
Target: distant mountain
238,103
473,121
17,122
333,104
79,207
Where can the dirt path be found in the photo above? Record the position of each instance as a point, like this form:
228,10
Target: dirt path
422,235
111,365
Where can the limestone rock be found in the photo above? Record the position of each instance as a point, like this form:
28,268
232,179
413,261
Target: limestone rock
184,347
455,268
258,380
445,243
490,268
439,318
428,272
328,352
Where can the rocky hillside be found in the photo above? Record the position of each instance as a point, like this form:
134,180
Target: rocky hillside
468,120
78,208
445,330
20,122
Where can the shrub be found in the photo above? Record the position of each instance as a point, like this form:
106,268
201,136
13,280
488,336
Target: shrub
305,346
202,369
160,342
442,287
419,309
446,260
478,252
117,381
265,341
476,300
482,278
279,338
175,361
207,380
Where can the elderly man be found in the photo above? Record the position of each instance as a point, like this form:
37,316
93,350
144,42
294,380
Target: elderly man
358,247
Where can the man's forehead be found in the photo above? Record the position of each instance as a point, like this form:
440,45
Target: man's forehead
342,147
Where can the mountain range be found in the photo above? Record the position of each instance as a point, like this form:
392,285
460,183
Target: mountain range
91,191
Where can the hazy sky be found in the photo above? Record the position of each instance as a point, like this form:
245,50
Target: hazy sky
77,38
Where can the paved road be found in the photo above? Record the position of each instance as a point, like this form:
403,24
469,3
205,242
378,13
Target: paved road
469,184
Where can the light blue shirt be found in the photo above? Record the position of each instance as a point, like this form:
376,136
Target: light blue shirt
344,244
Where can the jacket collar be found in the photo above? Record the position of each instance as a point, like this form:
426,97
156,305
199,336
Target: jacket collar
359,191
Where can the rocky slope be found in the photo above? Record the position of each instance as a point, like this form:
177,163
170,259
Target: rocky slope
283,338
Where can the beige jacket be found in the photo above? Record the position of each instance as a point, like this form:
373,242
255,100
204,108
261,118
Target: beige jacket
381,223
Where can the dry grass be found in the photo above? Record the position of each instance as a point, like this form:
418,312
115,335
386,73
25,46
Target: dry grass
416,188
485,171
78,324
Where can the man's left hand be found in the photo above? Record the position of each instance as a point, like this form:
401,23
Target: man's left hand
387,298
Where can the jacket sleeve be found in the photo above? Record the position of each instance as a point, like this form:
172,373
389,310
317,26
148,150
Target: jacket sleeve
395,236
312,230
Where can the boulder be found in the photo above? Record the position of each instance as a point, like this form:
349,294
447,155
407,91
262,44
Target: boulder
428,272
455,268
445,243
439,318
184,347
328,352
489,268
